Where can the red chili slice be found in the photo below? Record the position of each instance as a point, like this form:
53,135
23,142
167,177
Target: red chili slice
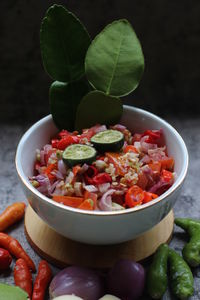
134,196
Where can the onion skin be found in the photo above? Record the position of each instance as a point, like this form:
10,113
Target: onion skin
126,280
81,282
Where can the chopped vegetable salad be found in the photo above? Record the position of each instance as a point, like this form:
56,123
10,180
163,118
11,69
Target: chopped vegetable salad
102,168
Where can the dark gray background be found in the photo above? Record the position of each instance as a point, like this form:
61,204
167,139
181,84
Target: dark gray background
169,32
170,35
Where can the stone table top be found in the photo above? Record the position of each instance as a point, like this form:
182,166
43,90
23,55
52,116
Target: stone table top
186,206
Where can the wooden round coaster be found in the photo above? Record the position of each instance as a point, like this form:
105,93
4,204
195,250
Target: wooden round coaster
62,251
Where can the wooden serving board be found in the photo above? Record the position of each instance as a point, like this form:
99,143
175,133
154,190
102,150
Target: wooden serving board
62,251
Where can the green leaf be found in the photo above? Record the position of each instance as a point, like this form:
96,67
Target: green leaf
64,42
9,292
64,99
114,61
97,107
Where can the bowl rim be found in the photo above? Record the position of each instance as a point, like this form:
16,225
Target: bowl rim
135,209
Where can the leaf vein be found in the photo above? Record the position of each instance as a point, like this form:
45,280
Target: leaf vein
115,65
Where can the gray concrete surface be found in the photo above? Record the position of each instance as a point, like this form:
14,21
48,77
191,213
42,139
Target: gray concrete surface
186,206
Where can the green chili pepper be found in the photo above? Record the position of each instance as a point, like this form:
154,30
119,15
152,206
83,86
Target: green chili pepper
157,273
191,251
181,278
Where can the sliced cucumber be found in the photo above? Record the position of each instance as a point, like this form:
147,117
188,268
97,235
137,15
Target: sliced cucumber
108,140
79,154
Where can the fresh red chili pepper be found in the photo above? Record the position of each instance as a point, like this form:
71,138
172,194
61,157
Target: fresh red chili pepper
66,141
101,178
130,148
5,259
87,134
149,197
116,160
90,173
134,196
63,133
101,158
22,276
54,143
14,247
167,176
76,169
167,163
153,136
42,280
49,169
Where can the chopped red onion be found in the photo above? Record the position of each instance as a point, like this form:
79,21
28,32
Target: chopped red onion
145,160
42,161
58,174
157,154
103,187
147,146
53,186
70,177
90,188
105,203
158,186
78,189
47,148
62,167
118,127
45,186
137,145
84,168
100,128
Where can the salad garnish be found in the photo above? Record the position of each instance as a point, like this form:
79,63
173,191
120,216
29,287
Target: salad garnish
104,168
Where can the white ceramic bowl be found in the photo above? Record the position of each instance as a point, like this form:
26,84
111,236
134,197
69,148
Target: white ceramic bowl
101,227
